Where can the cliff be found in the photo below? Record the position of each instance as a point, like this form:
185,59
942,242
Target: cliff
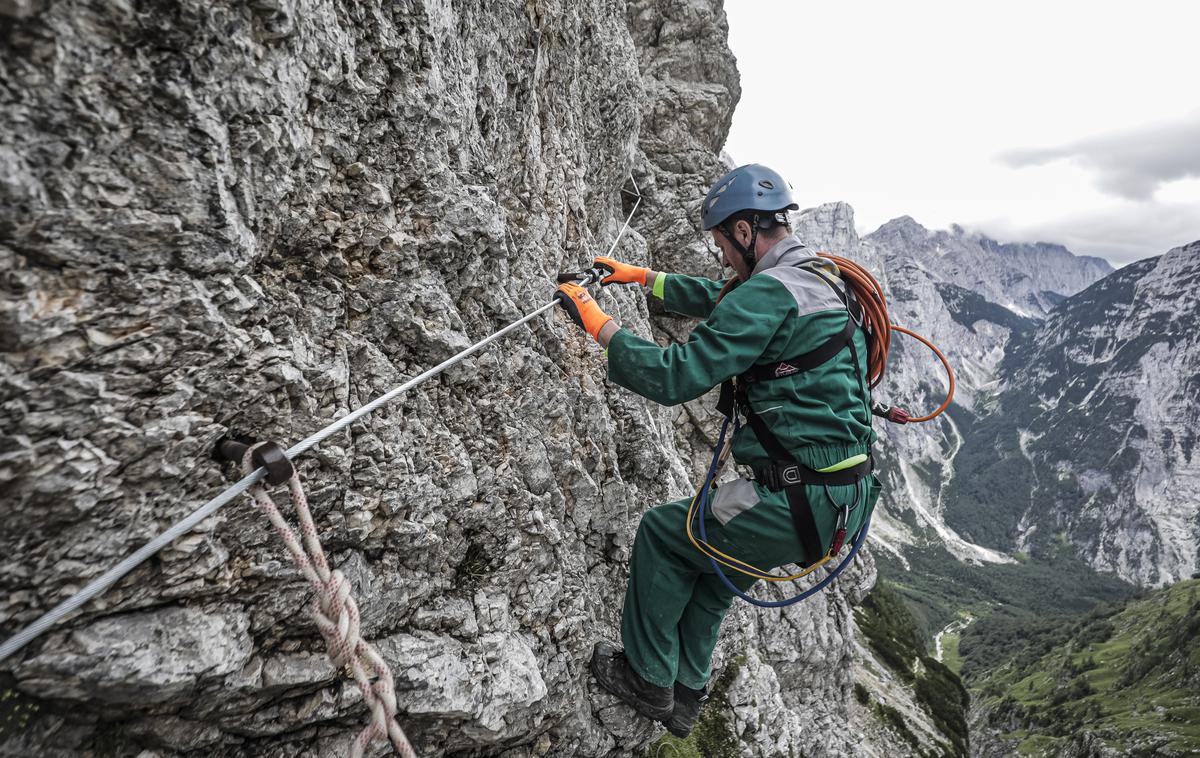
249,219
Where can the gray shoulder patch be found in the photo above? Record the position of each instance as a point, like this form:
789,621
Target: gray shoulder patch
810,292
734,498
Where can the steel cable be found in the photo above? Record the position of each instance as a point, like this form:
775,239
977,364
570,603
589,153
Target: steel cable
97,586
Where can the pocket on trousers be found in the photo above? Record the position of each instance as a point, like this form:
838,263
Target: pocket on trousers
733,499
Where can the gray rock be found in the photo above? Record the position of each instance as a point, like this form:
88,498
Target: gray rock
137,658
249,219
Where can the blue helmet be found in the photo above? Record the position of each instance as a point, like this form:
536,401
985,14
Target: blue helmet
752,187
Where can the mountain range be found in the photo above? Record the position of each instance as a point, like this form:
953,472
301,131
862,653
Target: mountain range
1099,412
1075,411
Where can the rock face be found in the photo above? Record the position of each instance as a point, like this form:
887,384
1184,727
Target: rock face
1100,409
149,657
223,218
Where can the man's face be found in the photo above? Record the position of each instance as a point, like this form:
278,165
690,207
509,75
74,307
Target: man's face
729,255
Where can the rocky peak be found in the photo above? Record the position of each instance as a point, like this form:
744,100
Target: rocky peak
827,228
900,233
1061,271
1028,279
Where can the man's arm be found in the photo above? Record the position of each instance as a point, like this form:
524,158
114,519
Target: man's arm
734,337
693,296
686,295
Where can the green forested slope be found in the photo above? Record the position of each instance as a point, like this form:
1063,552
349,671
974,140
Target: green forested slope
938,588
1127,676
893,634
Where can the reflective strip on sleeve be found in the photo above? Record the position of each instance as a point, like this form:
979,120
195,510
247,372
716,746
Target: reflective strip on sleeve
660,285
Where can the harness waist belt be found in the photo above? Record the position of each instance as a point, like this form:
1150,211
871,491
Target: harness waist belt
778,475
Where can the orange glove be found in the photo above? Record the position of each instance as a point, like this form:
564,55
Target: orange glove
582,309
622,273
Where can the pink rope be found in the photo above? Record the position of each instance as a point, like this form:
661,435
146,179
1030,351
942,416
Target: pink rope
337,617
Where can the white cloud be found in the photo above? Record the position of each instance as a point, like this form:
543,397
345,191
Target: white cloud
1122,233
1131,164
904,108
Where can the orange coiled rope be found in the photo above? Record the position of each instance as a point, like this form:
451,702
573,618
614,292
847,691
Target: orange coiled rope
880,328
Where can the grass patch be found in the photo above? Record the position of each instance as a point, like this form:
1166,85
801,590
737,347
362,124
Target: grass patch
1127,674
16,711
474,568
861,695
714,735
1039,745
950,653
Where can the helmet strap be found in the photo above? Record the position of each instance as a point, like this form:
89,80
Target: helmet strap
747,251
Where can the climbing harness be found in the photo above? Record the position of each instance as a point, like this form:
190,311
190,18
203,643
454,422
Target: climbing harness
866,309
97,586
717,558
759,195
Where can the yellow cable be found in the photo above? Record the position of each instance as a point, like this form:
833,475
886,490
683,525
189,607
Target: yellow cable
733,563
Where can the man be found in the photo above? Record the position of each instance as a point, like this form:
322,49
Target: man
788,303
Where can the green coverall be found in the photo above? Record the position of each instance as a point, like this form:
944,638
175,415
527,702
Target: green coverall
674,603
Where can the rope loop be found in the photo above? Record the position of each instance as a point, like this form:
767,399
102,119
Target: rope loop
336,614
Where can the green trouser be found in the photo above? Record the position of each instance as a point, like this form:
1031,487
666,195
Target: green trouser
674,603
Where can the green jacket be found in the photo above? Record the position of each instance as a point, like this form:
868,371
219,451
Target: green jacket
822,416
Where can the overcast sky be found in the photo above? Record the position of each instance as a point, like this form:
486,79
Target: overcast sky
1063,121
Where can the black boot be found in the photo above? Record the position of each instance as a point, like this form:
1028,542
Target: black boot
688,703
614,674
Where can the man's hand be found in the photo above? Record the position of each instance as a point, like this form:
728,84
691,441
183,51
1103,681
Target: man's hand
582,309
621,273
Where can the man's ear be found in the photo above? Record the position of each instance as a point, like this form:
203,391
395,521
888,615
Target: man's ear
743,230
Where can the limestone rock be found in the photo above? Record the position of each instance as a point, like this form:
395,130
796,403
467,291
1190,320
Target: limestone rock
138,658
247,219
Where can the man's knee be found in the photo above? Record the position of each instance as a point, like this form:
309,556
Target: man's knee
660,521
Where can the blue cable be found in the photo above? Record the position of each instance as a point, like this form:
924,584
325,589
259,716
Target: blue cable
712,472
